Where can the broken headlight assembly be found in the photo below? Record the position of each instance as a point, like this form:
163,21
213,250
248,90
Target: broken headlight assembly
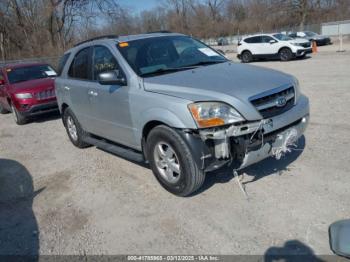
212,114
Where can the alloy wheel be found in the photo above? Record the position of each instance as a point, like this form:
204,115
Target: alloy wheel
167,162
72,128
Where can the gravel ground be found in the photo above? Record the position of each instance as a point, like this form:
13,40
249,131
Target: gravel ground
57,199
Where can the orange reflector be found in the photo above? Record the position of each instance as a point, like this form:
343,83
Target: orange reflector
211,122
125,44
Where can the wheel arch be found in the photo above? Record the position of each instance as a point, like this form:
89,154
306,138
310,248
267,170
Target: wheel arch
246,50
64,106
285,47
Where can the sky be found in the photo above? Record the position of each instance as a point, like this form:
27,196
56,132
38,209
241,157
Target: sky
139,5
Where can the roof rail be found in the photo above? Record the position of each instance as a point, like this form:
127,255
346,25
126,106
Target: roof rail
159,32
97,38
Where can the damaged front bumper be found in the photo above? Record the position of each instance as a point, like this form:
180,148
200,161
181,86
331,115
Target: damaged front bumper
242,145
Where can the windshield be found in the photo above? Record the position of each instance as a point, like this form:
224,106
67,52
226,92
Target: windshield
282,37
22,74
310,33
159,55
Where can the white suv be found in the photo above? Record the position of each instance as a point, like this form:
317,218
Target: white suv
272,46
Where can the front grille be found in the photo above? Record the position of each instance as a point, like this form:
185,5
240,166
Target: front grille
46,94
269,105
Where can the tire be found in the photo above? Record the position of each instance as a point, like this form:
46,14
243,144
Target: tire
3,110
18,117
74,130
246,57
285,54
187,177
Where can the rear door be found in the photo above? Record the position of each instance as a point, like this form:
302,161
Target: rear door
254,44
77,87
110,103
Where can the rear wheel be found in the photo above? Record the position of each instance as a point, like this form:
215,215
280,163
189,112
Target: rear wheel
246,57
285,54
74,130
17,116
172,162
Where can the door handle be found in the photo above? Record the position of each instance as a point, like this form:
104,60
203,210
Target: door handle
67,88
92,93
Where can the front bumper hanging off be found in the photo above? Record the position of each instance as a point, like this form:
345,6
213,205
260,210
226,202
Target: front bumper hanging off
243,145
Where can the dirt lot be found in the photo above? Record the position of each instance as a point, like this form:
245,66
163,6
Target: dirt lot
57,199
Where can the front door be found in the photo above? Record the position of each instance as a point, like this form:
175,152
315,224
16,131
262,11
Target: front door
110,103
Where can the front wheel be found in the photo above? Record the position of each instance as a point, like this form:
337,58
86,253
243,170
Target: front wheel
285,54
172,162
17,116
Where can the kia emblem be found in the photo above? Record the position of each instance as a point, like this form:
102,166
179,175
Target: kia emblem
281,101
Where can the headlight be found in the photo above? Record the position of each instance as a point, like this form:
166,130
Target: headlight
24,96
210,114
296,44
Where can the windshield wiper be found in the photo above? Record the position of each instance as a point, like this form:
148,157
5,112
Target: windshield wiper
176,69
206,63
165,70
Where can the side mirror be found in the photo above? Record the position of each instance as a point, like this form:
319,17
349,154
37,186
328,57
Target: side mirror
339,238
272,41
112,78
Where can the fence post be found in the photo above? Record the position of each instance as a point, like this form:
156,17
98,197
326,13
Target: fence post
340,33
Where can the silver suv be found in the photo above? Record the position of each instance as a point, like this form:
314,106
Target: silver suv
172,101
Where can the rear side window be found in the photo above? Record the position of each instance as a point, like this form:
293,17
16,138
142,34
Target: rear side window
103,61
80,66
253,40
62,63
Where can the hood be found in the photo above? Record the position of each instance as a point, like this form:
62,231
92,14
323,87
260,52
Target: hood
233,83
33,86
299,41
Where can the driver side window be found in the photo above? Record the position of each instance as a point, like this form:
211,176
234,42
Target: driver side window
103,61
266,39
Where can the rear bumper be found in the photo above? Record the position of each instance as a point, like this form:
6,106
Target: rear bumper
40,109
244,145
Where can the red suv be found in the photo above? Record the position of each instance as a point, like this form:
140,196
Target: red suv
27,90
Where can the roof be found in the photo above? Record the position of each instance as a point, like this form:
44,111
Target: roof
126,38
20,65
